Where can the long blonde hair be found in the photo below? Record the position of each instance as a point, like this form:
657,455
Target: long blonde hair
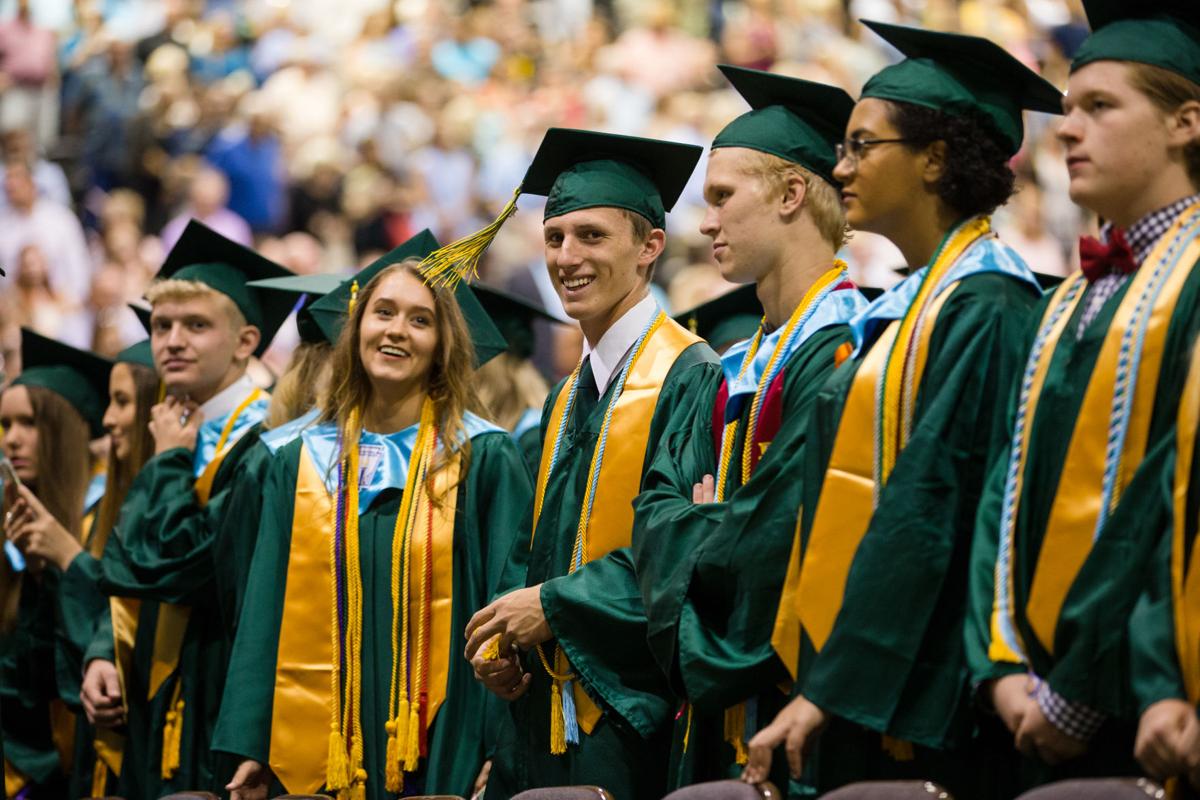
449,385
508,386
301,385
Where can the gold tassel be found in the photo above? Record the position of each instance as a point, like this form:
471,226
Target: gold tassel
353,297
491,650
459,260
358,789
687,731
99,778
172,740
391,764
412,749
735,731
558,726
337,768
898,749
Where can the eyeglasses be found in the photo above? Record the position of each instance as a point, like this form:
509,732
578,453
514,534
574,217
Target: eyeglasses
853,149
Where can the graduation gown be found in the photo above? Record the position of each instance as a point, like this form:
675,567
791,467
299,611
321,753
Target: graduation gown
711,574
162,552
598,617
1077,639
891,670
490,501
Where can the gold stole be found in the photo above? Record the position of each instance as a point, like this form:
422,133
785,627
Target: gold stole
1185,577
610,526
1071,526
169,630
883,393
303,669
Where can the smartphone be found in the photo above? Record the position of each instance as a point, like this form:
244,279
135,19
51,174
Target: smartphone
10,481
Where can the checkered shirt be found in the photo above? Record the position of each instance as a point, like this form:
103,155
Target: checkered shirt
1142,236
1074,719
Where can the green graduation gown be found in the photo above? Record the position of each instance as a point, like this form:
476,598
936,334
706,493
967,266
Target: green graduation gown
490,503
163,551
599,619
1090,659
893,664
711,574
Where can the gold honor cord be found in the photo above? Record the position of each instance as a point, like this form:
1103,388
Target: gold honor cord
1185,571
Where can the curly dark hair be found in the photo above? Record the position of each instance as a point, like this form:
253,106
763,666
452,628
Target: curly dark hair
977,179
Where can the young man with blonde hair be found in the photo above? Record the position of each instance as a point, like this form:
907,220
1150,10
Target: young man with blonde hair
714,524
159,665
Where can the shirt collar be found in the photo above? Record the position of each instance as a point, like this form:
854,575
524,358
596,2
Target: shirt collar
1145,233
225,401
610,351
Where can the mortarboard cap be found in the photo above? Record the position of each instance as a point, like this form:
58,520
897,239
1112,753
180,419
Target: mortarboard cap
577,169
962,75
799,121
205,256
1162,33
302,288
329,313
79,377
726,319
514,317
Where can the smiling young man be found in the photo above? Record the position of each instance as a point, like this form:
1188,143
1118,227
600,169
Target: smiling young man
589,704
1062,542
714,525
171,657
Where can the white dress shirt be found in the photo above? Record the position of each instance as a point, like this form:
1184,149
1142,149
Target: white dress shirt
609,353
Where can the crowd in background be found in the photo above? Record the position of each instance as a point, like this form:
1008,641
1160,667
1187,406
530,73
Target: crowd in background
325,132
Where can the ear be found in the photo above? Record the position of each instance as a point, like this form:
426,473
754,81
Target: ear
248,337
794,192
652,248
935,162
1183,126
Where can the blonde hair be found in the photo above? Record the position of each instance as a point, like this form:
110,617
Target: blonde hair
302,384
823,202
508,385
1169,90
450,381
177,289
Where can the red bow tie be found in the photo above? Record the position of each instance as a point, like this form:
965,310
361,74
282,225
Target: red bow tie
1098,259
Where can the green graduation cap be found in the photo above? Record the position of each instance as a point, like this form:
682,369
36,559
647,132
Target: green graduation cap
310,287
577,169
730,318
1162,33
962,75
514,317
329,313
205,256
796,120
79,377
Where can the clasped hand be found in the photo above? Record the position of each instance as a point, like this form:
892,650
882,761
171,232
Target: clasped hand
516,622
175,423
38,535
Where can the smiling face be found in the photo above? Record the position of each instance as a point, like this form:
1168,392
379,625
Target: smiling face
198,347
398,335
121,414
740,219
20,432
598,263
878,187
1118,144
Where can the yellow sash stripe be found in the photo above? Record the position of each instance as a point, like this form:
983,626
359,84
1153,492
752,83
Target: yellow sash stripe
1071,526
610,525
864,454
998,649
302,695
1185,584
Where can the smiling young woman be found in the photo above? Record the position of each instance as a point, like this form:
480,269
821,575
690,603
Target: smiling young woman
420,515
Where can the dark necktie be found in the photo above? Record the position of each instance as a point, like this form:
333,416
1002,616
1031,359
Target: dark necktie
586,395
1097,259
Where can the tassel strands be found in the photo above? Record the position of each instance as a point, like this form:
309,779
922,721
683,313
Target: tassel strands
735,732
459,260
